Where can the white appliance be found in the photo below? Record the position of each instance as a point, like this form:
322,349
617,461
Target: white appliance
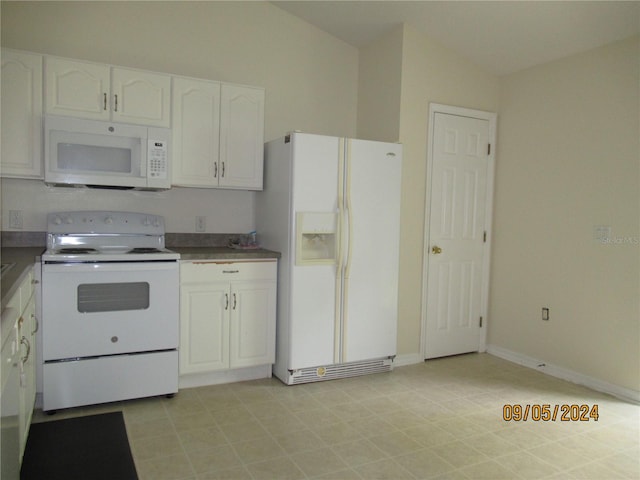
106,154
110,314
331,206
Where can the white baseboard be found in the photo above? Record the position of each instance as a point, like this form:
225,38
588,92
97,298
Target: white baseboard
224,376
623,393
407,359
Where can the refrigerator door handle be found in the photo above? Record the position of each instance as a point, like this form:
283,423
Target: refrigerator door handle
340,264
347,201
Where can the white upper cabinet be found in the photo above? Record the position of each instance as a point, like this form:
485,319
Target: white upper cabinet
217,128
218,134
77,89
21,114
140,97
196,123
101,92
242,136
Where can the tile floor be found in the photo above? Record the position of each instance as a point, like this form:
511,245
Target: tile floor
442,419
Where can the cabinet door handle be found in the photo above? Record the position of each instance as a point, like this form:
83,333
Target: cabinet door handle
235,301
24,341
226,305
37,324
215,171
222,170
116,104
104,101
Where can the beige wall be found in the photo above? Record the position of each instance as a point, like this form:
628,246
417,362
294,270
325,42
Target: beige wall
379,87
568,160
310,76
430,73
311,81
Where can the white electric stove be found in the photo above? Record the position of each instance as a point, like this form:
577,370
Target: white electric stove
110,309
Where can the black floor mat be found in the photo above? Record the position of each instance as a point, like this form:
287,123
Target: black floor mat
95,447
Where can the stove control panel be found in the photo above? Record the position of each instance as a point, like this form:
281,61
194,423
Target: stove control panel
105,223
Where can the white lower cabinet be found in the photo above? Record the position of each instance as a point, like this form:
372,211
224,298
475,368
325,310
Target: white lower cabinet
27,327
227,315
18,375
9,406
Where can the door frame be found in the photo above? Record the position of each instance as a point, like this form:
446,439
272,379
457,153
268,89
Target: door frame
492,118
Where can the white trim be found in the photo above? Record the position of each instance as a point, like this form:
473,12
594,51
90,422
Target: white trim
492,118
407,359
623,393
224,376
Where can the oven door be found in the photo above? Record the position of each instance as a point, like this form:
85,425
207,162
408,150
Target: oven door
94,309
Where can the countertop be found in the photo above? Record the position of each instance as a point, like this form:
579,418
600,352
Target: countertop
23,258
202,253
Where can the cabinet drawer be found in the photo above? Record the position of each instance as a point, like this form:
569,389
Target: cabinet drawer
225,270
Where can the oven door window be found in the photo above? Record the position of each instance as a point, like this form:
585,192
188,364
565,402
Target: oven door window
112,297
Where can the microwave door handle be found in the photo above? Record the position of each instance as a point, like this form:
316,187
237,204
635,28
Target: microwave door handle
144,158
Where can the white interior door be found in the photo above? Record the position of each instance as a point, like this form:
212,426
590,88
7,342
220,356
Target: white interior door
456,251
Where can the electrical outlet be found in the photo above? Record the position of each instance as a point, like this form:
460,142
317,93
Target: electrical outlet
201,224
545,313
15,219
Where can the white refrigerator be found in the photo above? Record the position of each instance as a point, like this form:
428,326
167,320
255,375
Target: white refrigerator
331,206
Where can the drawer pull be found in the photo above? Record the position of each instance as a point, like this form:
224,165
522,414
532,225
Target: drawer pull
230,271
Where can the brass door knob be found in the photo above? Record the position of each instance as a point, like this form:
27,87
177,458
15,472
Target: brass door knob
436,250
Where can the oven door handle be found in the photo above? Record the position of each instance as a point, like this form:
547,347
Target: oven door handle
110,267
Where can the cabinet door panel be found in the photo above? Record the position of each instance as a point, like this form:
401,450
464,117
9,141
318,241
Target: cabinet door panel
141,98
77,89
21,114
204,327
252,323
241,137
196,132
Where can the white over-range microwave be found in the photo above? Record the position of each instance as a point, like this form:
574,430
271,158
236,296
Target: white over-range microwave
106,154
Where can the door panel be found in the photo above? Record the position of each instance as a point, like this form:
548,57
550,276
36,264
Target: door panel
456,240
372,260
313,287
204,327
251,336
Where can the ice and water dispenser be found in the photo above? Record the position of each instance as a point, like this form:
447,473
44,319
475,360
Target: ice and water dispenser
317,238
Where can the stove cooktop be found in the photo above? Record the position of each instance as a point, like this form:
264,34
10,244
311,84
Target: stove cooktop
95,236
74,255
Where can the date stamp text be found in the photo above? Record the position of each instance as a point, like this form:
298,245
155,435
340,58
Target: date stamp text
550,413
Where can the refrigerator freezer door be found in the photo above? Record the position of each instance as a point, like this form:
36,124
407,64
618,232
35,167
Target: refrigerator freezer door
373,176
312,316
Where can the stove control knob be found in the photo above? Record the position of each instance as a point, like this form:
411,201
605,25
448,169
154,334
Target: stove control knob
108,220
146,222
68,220
57,220
156,222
